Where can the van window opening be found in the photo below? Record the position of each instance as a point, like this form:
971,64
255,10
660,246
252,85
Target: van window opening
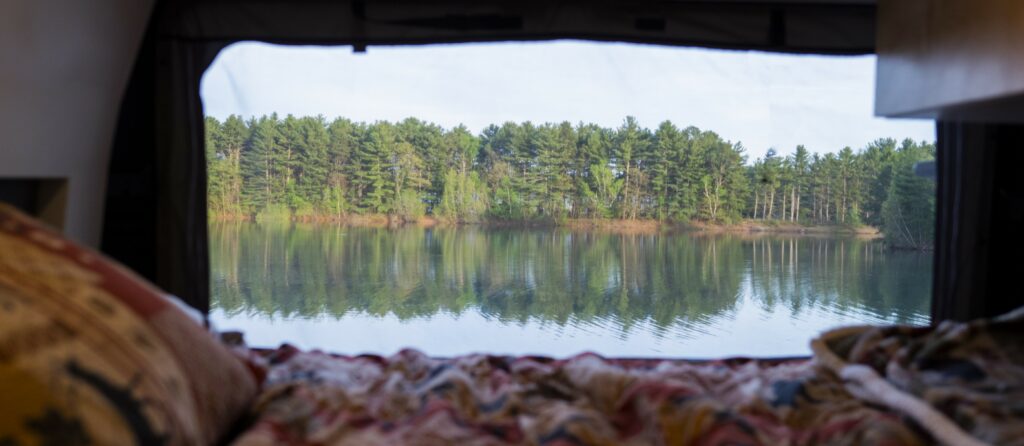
559,197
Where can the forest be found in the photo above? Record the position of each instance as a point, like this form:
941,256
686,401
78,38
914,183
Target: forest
309,168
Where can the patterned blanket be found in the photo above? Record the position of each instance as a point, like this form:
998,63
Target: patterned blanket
968,375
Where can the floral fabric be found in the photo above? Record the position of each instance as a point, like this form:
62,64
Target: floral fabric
971,374
409,398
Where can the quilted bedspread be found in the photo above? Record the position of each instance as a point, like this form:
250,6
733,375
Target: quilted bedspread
967,378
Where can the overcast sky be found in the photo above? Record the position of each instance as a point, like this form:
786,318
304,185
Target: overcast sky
762,100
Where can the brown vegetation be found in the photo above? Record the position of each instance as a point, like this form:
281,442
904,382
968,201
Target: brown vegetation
627,226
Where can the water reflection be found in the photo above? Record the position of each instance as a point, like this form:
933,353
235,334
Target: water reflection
605,289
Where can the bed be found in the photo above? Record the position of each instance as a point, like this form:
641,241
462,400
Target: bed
967,375
92,354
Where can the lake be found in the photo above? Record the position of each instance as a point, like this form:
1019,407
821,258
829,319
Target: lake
553,291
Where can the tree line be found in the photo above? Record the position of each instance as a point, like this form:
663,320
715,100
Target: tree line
312,168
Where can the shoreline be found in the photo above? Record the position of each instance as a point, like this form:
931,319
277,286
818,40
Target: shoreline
747,227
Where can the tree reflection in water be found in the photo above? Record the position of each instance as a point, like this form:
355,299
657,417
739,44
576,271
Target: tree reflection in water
556,275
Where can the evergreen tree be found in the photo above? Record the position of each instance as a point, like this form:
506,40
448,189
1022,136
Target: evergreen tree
307,167
908,212
259,164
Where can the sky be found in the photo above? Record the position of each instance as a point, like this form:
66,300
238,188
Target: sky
760,99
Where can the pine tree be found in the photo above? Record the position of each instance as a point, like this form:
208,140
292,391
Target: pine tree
259,169
307,167
909,210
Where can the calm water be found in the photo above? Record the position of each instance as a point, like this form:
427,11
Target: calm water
557,292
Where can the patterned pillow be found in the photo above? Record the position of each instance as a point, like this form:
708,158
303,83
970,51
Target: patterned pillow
92,354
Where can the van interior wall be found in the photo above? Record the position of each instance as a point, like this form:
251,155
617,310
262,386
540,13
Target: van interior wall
65,66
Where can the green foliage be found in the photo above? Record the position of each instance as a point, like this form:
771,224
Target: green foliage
908,212
335,204
464,198
259,164
523,171
408,206
273,213
600,197
846,188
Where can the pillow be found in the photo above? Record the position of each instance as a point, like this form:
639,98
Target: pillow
90,353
